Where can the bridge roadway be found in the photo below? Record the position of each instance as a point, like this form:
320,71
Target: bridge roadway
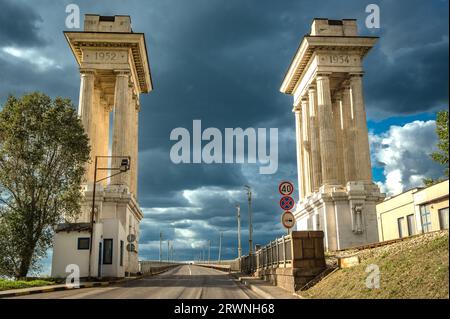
183,282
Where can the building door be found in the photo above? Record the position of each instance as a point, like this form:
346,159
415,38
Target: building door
100,253
443,218
401,225
411,225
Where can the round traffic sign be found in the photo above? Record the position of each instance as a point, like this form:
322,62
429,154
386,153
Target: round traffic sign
287,202
286,188
131,238
288,219
131,247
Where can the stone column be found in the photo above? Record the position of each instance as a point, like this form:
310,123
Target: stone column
362,151
86,113
103,135
306,152
299,141
134,145
348,136
122,118
337,118
315,144
328,145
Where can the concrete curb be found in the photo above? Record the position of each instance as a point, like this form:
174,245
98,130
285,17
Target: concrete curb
52,288
32,291
255,289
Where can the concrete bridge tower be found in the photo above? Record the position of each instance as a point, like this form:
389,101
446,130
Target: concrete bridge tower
336,191
114,71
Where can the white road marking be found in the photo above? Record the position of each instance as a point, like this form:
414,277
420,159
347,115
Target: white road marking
190,272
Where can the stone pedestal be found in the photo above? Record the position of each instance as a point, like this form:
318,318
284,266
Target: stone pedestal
347,215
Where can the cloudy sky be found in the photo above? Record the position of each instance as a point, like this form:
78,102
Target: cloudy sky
222,61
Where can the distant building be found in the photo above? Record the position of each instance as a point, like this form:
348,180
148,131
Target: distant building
416,211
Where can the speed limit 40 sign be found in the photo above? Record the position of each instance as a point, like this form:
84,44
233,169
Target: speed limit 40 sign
286,188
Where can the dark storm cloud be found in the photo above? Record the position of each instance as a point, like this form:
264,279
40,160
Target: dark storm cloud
19,24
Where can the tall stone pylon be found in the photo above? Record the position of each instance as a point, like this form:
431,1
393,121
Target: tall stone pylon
325,78
114,72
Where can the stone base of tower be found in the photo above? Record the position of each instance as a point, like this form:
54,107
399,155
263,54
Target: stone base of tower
347,215
117,215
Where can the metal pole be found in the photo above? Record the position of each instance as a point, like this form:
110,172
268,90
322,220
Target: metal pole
168,248
250,227
129,253
239,230
160,246
220,246
92,218
209,252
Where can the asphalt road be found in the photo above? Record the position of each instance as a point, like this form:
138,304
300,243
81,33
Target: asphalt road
183,282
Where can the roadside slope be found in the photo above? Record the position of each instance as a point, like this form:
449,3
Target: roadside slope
414,268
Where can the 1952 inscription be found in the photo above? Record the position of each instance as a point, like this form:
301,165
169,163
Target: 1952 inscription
104,56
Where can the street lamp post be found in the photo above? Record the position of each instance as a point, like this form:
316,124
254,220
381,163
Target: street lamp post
124,167
238,208
209,252
168,250
160,246
250,226
220,246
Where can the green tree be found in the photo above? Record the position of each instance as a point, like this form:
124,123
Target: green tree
43,156
441,155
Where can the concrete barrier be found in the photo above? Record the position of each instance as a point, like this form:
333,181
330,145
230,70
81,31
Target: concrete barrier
226,268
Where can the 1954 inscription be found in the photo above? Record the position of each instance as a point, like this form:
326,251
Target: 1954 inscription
339,59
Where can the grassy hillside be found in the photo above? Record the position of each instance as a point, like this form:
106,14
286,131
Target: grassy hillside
414,268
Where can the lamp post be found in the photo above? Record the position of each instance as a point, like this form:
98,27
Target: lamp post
220,246
250,227
168,250
238,208
160,246
209,251
124,167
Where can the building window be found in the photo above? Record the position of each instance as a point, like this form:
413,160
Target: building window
400,225
107,251
425,218
411,225
83,243
443,218
121,252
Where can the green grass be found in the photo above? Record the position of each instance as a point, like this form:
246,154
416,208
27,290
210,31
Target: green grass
6,284
415,268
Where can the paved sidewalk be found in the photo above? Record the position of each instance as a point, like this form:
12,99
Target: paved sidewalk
60,287
264,288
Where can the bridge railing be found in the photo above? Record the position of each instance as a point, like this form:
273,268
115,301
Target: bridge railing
296,250
278,253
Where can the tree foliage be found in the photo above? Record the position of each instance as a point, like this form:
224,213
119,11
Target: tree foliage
43,155
441,155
